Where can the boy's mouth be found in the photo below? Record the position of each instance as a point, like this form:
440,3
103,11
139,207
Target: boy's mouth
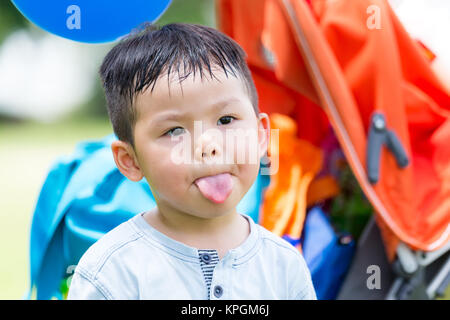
216,188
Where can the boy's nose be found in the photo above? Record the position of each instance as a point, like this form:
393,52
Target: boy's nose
207,149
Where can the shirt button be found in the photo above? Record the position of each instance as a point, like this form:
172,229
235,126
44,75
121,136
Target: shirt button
218,291
206,258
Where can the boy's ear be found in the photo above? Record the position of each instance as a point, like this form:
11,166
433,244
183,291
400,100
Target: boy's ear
263,133
126,160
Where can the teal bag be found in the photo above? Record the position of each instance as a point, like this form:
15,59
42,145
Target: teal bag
83,197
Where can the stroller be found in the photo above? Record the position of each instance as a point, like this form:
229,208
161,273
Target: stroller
352,65
345,98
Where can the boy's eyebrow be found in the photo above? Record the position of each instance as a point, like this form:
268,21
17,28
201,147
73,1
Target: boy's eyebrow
173,115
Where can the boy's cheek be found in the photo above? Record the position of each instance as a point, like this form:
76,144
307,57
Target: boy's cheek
244,150
249,173
159,168
171,173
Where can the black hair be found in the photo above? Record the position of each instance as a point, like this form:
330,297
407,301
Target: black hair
139,59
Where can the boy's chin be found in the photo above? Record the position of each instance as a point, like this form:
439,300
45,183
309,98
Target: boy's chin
209,209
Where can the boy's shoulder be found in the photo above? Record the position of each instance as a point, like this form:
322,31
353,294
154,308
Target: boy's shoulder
271,240
287,262
275,247
117,240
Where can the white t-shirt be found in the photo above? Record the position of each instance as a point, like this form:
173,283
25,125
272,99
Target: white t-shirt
136,261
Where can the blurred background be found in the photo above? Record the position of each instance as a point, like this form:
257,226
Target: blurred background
51,99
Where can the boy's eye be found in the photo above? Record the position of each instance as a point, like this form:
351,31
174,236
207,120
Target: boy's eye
226,120
174,131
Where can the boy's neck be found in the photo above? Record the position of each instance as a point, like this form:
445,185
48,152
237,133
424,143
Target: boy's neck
221,233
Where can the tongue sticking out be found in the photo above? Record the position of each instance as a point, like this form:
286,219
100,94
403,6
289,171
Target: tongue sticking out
215,188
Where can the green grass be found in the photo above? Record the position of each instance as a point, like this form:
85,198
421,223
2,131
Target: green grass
27,151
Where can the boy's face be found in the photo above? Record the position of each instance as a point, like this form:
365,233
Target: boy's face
197,143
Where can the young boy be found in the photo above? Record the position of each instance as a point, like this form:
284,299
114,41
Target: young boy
175,95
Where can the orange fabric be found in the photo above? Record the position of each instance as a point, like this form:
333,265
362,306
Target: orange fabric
284,207
321,189
327,54
427,52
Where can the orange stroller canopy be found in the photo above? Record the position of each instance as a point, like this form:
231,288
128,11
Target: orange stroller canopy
351,64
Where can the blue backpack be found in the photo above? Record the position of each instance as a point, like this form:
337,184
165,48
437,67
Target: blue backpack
84,196
327,253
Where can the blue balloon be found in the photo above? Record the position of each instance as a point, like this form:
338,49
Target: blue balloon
91,21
